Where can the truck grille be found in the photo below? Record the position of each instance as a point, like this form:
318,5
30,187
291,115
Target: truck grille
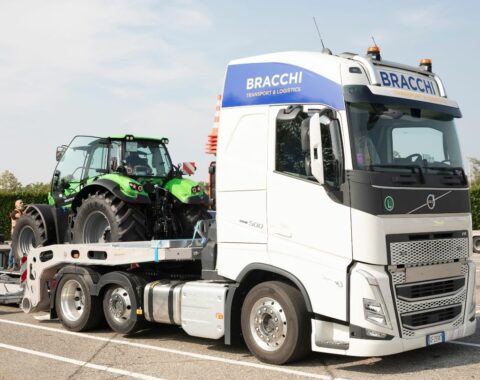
430,289
427,248
420,305
431,318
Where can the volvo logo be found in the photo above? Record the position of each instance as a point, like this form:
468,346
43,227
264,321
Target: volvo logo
431,201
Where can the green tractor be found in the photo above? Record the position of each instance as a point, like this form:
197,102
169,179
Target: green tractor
113,189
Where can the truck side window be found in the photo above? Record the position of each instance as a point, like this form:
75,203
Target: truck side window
291,160
289,157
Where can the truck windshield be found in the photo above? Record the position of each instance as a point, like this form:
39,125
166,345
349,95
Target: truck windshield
147,158
395,138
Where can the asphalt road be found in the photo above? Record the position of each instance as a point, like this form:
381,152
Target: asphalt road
42,349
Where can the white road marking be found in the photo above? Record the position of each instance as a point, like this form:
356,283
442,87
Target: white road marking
465,343
176,352
80,363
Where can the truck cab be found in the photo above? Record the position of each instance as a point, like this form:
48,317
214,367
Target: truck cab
343,175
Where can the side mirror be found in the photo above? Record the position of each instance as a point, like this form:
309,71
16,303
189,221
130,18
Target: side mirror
337,151
316,156
305,135
56,179
60,152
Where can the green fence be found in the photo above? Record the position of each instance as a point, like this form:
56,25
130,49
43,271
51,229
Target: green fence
7,204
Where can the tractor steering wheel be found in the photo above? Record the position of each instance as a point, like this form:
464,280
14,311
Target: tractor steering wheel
415,157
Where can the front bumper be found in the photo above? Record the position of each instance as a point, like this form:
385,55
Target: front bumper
407,322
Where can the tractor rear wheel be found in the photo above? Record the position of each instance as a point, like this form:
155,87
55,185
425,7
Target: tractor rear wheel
102,217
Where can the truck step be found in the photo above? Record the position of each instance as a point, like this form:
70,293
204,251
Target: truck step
335,344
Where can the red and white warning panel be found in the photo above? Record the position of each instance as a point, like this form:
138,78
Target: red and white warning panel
211,146
189,168
23,269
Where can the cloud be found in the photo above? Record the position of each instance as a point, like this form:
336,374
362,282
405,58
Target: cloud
47,47
72,67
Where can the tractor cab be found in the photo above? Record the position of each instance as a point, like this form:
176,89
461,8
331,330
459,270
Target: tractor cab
89,158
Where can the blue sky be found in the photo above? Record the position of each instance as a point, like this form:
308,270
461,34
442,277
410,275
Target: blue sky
154,68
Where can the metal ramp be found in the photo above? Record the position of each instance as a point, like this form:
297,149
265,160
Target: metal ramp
11,292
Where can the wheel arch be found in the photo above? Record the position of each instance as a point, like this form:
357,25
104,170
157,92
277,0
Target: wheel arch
90,275
106,185
131,281
249,277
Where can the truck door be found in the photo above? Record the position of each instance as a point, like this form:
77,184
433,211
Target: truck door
309,233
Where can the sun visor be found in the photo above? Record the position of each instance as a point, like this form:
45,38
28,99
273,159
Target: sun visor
401,97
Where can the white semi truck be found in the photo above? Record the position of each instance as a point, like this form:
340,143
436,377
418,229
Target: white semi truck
343,222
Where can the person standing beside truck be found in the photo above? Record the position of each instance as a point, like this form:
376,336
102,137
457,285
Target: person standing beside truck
14,216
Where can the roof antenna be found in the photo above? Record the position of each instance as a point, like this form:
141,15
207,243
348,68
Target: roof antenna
324,49
374,43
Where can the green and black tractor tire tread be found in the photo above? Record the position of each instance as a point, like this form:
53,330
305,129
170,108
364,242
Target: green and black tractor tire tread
189,217
33,220
128,218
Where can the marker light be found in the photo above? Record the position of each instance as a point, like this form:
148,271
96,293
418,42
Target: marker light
196,189
135,187
374,53
426,64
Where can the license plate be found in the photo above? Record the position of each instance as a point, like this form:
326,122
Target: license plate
435,338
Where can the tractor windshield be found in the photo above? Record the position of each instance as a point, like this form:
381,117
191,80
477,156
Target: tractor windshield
146,158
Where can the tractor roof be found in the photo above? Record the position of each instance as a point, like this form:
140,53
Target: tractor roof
132,137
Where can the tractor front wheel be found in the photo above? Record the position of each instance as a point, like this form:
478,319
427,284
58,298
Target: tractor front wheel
189,216
29,233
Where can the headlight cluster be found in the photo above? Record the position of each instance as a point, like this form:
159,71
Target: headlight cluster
374,312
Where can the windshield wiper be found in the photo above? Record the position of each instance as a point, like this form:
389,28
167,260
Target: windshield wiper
456,171
416,169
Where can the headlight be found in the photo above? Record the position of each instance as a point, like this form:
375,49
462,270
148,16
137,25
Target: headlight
374,312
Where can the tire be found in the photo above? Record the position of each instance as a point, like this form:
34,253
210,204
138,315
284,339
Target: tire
275,323
76,308
476,244
102,217
189,216
120,309
29,233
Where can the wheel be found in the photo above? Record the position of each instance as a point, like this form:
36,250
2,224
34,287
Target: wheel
275,323
102,217
29,233
476,244
189,216
120,309
76,308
